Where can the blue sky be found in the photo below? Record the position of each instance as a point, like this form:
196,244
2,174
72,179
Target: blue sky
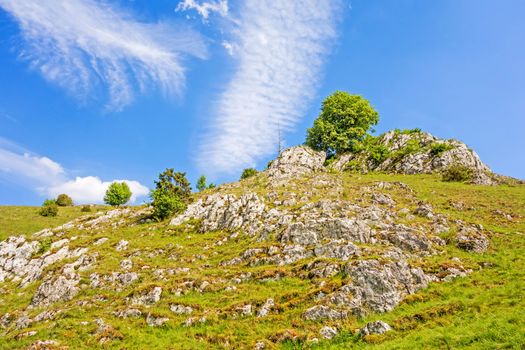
95,91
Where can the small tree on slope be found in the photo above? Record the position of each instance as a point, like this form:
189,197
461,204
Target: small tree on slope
118,193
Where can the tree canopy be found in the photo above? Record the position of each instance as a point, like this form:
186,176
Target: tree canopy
342,124
118,193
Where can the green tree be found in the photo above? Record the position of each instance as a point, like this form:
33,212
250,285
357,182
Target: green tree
118,193
171,194
201,183
342,124
49,208
63,200
248,172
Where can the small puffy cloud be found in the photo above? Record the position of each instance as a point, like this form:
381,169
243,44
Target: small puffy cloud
91,189
204,8
49,178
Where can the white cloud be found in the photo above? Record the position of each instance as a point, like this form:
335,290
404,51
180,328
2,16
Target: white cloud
82,44
49,178
36,169
280,47
205,8
91,189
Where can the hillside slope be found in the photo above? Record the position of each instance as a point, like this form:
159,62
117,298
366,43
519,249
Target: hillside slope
299,256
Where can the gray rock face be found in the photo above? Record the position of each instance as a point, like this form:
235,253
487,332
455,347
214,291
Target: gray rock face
219,211
61,288
376,327
266,308
328,332
471,239
321,312
296,161
17,261
149,298
415,153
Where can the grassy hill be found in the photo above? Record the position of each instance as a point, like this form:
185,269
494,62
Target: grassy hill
484,310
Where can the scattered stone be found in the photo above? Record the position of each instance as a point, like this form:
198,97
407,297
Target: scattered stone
122,245
266,308
321,312
126,264
154,321
181,309
150,298
328,332
128,313
61,288
377,327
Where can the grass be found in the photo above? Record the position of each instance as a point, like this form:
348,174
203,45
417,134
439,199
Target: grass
482,311
22,220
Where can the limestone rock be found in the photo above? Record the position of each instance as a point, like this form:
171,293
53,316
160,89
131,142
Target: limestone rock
296,161
320,312
376,327
328,332
54,289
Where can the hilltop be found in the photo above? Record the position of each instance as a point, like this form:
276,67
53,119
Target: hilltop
366,249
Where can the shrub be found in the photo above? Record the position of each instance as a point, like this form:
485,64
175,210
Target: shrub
85,208
118,193
49,202
166,205
438,148
171,194
458,173
342,124
50,208
378,153
201,183
44,245
212,185
248,172
63,200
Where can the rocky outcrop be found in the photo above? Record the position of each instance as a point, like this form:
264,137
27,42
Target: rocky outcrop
20,259
295,162
225,212
416,152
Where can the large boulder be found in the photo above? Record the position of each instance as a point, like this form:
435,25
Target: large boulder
296,161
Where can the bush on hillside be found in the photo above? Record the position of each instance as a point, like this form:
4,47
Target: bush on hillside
342,124
438,148
63,200
49,208
171,194
248,172
86,208
457,173
118,193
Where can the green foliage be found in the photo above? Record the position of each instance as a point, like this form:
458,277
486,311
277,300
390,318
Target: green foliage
171,194
49,202
118,193
342,124
412,146
457,173
438,148
45,244
378,152
166,204
175,183
50,208
212,185
63,200
248,172
201,183
408,131
85,208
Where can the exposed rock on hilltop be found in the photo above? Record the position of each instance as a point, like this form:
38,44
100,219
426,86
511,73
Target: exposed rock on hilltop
416,152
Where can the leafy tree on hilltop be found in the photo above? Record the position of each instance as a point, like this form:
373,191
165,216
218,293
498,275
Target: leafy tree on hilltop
342,124
63,200
49,208
202,184
118,193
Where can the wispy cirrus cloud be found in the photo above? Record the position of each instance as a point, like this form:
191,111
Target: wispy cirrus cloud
204,8
280,47
49,178
83,44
